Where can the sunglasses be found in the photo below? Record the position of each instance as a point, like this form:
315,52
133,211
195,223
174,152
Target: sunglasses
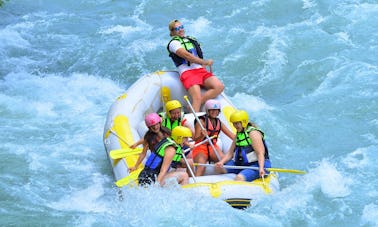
179,27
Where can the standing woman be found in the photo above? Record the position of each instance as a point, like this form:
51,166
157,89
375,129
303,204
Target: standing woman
187,55
248,149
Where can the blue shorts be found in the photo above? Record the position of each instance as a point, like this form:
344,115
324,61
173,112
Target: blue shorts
249,174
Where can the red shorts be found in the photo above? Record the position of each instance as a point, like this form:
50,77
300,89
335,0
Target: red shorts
194,76
204,149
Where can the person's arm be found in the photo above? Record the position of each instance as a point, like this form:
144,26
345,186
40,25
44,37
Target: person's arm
227,132
228,155
169,153
258,147
175,47
139,142
140,158
199,134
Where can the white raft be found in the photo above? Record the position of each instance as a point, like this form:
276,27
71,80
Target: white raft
125,125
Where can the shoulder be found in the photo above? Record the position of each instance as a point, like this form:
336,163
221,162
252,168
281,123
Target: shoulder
170,150
201,118
192,38
255,134
174,45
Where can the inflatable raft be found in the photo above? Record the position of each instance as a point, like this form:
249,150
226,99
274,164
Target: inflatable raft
125,125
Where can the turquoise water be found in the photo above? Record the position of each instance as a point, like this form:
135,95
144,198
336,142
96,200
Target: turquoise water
306,71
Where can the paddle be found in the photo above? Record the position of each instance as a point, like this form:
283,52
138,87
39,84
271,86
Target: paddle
130,178
199,122
186,161
256,168
123,153
134,175
119,137
165,96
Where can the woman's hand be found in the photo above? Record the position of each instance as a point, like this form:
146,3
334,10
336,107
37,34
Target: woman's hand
131,169
261,171
218,165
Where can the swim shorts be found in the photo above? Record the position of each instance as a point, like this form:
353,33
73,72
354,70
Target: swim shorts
204,149
194,76
249,174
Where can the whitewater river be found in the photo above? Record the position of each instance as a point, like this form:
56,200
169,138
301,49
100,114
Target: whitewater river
306,72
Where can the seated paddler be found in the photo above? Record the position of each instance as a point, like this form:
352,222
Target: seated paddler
164,159
247,149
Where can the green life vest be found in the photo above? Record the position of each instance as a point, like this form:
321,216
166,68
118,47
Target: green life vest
243,139
190,44
243,150
169,142
155,160
171,125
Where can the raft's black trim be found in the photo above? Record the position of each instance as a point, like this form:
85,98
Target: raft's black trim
239,203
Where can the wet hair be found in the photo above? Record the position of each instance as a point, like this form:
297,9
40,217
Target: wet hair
252,124
152,138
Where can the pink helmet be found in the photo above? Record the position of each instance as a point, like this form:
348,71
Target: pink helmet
212,104
152,119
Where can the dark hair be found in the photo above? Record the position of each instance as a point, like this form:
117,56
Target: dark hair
152,138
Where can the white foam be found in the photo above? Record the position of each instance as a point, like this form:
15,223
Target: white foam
124,30
12,38
255,104
331,181
309,4
370,215
83,200
197,27
357,159
326,177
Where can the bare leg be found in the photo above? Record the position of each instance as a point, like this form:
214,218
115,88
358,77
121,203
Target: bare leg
213,88
213,156
191,166
239,177
195,93
200,158
181,177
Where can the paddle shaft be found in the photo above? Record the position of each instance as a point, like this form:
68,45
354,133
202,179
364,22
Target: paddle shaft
119,137
200,124
256,168
186,160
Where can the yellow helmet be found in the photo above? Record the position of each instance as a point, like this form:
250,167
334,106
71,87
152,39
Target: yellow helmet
171,105
179,132
240,115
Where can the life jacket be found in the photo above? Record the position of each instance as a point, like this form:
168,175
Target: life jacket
171,125
155,160
244,152
190,44
211,129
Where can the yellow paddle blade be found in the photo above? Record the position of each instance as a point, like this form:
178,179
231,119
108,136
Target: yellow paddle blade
122,129
227,111
123,153
286,170
133,177
165,94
